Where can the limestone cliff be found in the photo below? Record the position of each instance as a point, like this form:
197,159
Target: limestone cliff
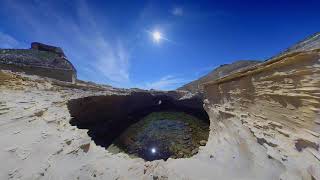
273,108
223,70
310,43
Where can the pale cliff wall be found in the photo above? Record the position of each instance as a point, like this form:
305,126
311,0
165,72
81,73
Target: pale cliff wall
274,108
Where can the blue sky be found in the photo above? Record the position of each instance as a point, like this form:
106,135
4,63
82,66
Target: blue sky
110,42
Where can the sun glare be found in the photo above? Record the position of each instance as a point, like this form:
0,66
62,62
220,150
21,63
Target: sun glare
156,36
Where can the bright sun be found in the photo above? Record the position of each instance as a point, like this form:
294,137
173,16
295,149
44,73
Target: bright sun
156,36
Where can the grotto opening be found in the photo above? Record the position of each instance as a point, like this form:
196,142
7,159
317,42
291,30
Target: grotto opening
147,125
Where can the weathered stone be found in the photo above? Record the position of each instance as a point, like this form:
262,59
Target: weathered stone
48,48
194,151
42,60
275,96
186,137
180,154
203,142
85,147
223,70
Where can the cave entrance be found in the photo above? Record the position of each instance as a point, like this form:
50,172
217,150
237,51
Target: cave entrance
143,124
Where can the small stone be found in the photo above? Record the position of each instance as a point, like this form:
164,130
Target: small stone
155,178
68,142
244,115
186,143
187,151
194,151
180,154
186,138
173,157
85,147
203,142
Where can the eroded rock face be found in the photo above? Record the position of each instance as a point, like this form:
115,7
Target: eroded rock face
310,43
275,106
48,48
219,72
42,60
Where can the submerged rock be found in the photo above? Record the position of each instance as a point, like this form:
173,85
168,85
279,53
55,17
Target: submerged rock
203,142
194,151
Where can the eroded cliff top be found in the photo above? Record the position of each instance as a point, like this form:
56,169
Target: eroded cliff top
228,71
310,43
217,73
40,55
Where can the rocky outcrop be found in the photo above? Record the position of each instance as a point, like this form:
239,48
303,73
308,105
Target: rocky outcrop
223,70
274,108
310,43
42,60
48,48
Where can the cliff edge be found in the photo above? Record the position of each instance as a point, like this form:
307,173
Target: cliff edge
40,59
